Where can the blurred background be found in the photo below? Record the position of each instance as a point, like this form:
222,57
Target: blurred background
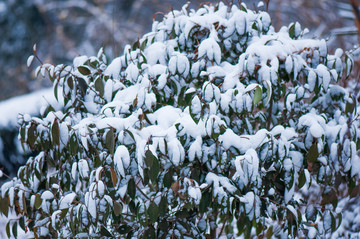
64,29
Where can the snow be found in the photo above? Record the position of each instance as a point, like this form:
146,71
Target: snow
30,60
83,168
210,49
121,159
90,203
195,149
193,190
74,170
289,101
292,210
79,61
66,201
249,204
176,151
247,168
113,70
323,72
316,130
179,63
34,101
132,72
314,122
355,161
260,4
100,188
288,165
64,134
122,191
220,184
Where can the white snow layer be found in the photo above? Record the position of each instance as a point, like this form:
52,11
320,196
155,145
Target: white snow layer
25,104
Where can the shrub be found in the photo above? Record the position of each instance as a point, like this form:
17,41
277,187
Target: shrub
212,124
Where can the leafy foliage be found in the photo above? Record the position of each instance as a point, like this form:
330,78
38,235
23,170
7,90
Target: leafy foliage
211,124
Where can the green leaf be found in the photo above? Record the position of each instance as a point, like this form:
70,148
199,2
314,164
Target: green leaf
55,133
302,179
188,97
82,85
38,201
163,206
168,178
99,86
70,82
22,133
292,31
32,135
242,8
73,145
259,228
14,229
154,170
349,108
268,91
150,233
110,141
339,221
143,44
123,229
163,225
36,232
105,232
333,222
63,213
146,176
181,97
205,200
349,63
255,26
153,212
113,176
4,206
117,208
84,70
355,191
24,203
149,158
8,229
154,166
269,233
56,91
182,214
312,153
131,189
22,223
330,197
257,95
97,162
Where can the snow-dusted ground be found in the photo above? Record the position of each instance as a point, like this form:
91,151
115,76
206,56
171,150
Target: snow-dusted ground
25,104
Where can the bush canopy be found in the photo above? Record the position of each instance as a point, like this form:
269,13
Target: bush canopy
212,124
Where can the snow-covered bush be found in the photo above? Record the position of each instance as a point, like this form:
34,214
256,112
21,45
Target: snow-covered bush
12,154
212,124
